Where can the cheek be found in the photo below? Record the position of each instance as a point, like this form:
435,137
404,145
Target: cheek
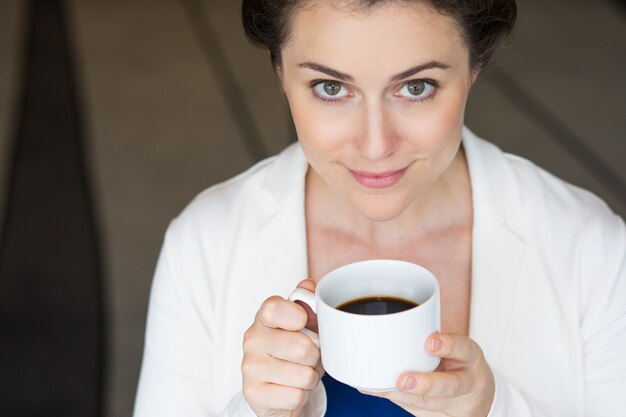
321,126
437,128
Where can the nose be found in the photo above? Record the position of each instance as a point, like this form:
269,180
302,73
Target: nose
377,140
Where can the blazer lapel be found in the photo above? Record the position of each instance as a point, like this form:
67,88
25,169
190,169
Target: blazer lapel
497,244
282,236
496,260
283,244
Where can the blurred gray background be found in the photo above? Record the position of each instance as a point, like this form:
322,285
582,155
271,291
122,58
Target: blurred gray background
174,99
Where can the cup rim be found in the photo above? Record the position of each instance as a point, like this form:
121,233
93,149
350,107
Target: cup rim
429,275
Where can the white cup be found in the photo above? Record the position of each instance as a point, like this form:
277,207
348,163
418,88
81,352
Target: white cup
369,352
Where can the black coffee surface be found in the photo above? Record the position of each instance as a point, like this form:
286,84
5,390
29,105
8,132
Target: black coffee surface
373,306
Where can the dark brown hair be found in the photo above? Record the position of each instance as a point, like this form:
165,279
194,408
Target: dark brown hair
484,24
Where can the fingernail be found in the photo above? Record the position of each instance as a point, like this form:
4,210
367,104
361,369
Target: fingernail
435,344
409,383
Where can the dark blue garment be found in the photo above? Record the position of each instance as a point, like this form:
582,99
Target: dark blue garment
345,401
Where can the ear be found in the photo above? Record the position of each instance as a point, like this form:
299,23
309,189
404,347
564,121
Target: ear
474,75
279,73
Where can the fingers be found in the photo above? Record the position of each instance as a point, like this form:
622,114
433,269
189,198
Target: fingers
294,347
434,392
311,323
435,384
279,372
464,387
455,347
280,365
285,342
275,397
308,284
429,385
278,313
412,402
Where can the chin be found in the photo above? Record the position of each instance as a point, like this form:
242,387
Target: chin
380,208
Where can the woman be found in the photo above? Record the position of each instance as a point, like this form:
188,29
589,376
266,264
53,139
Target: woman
531,269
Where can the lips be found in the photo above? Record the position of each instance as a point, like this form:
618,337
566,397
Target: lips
378,179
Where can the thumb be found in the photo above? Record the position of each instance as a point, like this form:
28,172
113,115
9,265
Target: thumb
311,322
308,284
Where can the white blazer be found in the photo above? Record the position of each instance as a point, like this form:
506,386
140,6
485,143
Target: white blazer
548,295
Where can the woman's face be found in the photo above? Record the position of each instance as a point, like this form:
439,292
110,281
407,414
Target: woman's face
377,96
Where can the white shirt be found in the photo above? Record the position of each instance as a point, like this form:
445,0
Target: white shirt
548,295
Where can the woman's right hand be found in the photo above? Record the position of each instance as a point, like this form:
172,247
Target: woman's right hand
280,364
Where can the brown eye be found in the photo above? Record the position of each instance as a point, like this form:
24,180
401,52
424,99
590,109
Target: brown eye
416,87
332,88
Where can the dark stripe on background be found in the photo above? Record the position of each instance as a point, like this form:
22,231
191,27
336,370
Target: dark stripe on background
620,6
51,306
559,132
226,82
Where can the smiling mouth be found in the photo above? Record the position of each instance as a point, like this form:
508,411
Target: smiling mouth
378,179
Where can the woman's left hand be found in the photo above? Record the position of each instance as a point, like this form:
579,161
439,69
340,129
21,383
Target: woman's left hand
463,385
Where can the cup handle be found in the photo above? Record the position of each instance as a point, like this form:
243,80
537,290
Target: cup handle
307,297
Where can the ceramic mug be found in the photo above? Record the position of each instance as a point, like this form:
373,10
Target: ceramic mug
369,352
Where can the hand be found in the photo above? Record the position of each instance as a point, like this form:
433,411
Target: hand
463,385
280,365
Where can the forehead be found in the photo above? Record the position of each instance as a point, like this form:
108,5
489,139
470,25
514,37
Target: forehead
389,34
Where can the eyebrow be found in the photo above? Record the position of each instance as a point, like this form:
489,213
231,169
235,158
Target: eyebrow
419,68
346,77
326,70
